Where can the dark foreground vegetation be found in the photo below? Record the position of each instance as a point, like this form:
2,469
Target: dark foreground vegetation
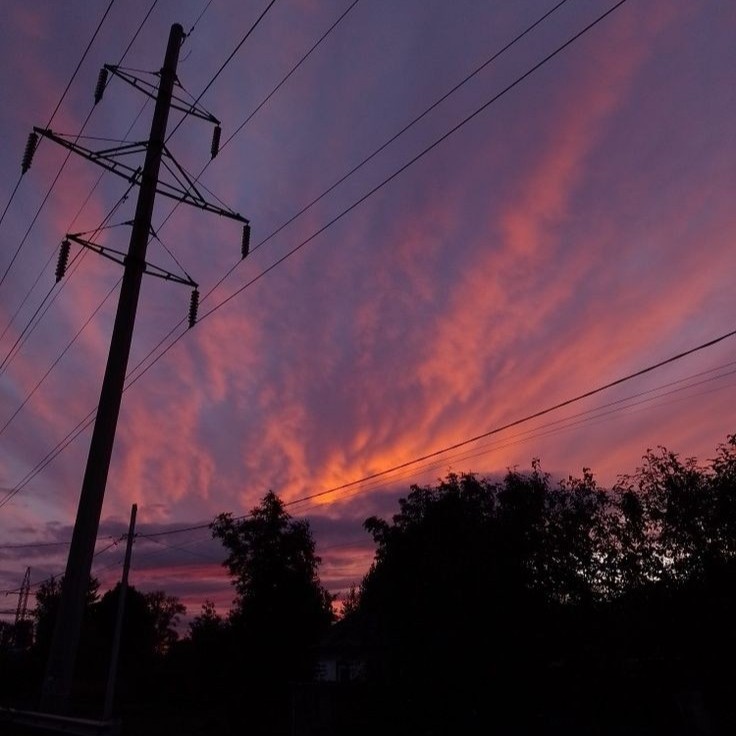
523,606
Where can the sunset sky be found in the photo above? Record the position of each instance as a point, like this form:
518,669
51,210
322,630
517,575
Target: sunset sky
543,231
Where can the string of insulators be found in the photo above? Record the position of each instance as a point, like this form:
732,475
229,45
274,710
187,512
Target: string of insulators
216,133
30,150
101,84
61,264
245,249
193,308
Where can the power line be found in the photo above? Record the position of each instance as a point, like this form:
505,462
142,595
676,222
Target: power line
204,168
553,427
136,34
58,359
66,159
39,545
115,541
199,17
14,347
352,171
37,316
168,532
412,161
41,311
524,419
49,457
12,197
222,67
82,425
69,227
53,115
358,202
33,323
183,548
34,545
48,125
403,130
291,71
496,430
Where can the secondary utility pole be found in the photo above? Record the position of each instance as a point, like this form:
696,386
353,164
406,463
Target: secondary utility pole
120,617
65,642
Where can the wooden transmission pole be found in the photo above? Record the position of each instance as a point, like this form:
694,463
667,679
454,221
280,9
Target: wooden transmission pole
60,666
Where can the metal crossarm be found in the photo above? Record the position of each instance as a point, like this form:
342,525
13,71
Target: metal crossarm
184,193
106,159
150,90
120,257
188,185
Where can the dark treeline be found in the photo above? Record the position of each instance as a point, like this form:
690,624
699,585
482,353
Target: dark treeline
512,606
148,634
533,607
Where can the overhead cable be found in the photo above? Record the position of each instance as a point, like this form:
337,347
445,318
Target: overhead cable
467,119
48,125
222,67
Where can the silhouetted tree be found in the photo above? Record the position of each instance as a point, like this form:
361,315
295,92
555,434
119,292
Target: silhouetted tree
281,609
432,602
351,602
7,636
149,623
722,526
207,626
207,661
148,632
48,597
578,517
166,611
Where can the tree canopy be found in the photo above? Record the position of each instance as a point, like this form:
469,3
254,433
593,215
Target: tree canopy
280,612
525,585
281,606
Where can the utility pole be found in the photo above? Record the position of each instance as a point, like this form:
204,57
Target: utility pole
65,642
23,631
113,671
25,587
60,666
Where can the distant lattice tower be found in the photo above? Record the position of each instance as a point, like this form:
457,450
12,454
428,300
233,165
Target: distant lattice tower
23,625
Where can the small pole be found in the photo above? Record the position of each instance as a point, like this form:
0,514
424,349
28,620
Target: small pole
113,671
